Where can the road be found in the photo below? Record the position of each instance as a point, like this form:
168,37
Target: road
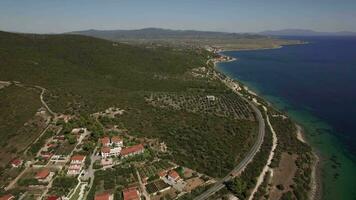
241,166
43,102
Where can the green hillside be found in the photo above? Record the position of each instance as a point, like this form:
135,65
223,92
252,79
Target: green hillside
84,75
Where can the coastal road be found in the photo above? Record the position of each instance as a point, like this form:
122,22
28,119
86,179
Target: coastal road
248,158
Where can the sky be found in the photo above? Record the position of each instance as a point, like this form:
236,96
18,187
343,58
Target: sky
57,16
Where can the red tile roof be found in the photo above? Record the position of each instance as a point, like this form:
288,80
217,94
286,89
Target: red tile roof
78,157
105,140
131,194
132,149
16,162
52,198
105,150
42,174
173,174
103,196
116,139
7,197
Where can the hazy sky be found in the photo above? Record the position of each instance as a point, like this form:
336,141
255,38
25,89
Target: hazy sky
53,16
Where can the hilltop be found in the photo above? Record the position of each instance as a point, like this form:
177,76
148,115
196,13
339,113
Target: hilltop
189,38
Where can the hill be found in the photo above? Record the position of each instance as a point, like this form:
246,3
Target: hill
190,38
305,32
85,75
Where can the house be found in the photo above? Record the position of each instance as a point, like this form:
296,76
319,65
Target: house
105,141
54,198
44,175
117,141
133,150
104,196
7,197
107,151
111,147
16,162
76,164
131,194
173,176
77,159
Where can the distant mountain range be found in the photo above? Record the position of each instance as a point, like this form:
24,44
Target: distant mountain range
305,32
159,33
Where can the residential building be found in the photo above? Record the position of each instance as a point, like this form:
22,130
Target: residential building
173,176
104,196
131,194
54,198
133,150
111,147
117,141
44,175
16,162
76,164
105,141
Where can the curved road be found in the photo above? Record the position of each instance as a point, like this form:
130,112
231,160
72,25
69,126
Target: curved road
241,166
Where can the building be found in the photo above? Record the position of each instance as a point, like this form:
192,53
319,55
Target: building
133,150
16,162
117,141
44,175
77,159
54,198
76,164
111,147
131,194
173,176
105,141
107,151
7,197
104,196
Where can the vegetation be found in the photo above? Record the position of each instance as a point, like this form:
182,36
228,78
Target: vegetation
117,179
242,184
288,142
18,124
84,75
189,38
62,185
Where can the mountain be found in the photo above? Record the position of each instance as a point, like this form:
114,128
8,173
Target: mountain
188,38
159,33
305,32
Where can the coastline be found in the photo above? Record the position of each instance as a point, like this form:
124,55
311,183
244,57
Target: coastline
315,183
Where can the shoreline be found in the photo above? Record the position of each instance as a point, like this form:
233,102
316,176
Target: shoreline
315,192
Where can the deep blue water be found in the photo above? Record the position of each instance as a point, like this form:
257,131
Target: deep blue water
316,84
319,76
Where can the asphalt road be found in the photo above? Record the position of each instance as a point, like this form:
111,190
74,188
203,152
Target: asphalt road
240,167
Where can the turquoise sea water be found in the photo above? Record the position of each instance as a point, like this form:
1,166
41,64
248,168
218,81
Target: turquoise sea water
316,85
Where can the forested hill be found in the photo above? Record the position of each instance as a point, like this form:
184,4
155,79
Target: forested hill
93,72
158,33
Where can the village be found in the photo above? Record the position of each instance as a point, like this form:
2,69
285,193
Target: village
73,163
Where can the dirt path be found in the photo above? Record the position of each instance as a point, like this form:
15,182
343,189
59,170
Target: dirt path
266,168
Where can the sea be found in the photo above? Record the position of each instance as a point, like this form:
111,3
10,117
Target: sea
315,83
